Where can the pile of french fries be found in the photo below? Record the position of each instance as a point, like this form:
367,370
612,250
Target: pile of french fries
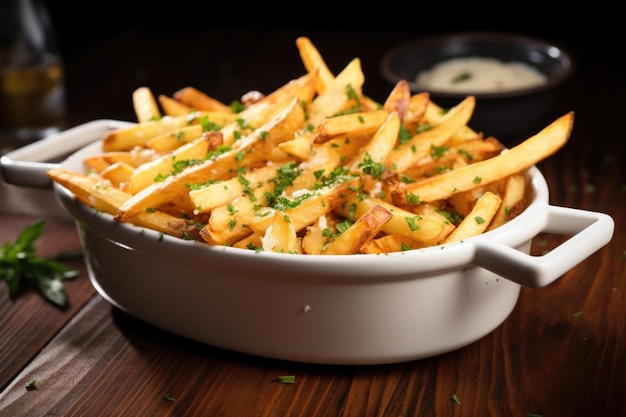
314,167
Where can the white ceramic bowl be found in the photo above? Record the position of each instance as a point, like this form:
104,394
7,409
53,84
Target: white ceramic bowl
352,309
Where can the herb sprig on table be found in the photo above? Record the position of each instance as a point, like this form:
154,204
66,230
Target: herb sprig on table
19,264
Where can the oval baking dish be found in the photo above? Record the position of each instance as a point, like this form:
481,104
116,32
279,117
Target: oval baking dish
349,309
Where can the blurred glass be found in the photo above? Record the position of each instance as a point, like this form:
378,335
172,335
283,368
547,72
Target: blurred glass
32,91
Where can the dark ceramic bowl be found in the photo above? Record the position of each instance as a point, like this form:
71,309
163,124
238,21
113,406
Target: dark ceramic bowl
509,115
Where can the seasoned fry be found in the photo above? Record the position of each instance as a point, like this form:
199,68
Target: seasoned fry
425,229
371,157
445,158
118,174
150,172
198,100
513,201
173,107
516,159
477,220
361,232
361,123
418,146
340,95
145,105
314,167
390,243
103,161
281,235
207,198
313,61
126,138
304,209
102,196
229,222
399,99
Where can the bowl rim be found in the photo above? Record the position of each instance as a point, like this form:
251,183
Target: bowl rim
396,265
492,36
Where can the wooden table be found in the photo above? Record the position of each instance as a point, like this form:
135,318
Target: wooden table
561,352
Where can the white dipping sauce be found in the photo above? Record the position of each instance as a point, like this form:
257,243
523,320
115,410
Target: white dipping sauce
476,74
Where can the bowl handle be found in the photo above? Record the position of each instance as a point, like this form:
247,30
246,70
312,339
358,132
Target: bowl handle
589,232
27,166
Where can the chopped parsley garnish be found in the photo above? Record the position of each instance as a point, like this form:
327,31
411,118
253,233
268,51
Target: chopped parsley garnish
464,76
237,106
372,168
412,222
286,379
208,126
404,135
438,151
412,198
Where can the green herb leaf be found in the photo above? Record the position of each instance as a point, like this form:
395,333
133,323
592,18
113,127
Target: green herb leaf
19,263
286,379
464,76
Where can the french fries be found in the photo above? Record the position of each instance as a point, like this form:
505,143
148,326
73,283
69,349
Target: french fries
314,167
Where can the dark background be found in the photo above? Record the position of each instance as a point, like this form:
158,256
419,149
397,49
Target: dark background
213,43
89,22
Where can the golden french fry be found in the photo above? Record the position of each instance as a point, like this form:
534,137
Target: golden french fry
198,100
313,61
361,123
304,209
513,201
100,162
299,147
104,197
339,95
418,103
477,220
145,105
362,231
118,174
398,100
280,236
446,158
390,243
371,157
228,223
126,138
434,114
210,196
271,106
516,159
424,229
173,107
418,146
251,242
173,139
319,233
168,164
